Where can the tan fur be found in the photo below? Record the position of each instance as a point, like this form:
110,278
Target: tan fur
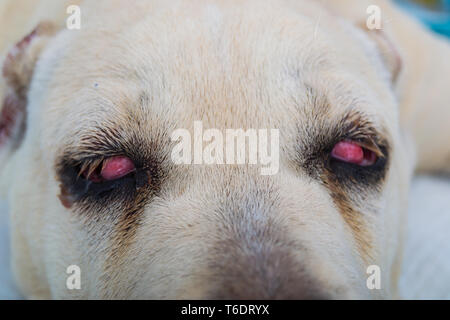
220,231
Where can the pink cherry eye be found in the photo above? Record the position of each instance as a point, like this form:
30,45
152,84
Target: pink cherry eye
117,167
351,152
110,169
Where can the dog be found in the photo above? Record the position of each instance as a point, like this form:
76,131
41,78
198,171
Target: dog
85,146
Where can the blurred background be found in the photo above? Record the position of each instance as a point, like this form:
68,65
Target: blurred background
434,13
426,266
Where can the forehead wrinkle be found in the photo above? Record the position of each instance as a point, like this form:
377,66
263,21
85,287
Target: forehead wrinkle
332,100
211,95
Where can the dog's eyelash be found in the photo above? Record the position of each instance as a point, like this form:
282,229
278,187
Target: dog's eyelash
87,167
317,159
371,145
73,175
352,175
78,186
355,127
368,142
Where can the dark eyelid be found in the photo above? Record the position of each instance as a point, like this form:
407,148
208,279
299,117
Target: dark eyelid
315,147
80,188
354,126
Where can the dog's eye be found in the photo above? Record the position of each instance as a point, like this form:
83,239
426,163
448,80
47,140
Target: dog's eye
102,179
354,153
108,170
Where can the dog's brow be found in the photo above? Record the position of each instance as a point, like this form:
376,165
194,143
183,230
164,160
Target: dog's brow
351,122
102,141
322,125
318,100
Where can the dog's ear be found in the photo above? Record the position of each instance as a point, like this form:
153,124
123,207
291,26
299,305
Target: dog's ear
17,72
387,49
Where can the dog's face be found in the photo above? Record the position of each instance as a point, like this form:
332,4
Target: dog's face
92,182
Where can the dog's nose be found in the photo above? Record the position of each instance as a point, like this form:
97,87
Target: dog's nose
273,276
261,262
256,254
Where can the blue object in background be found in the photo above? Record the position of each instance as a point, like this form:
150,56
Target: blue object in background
438,18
